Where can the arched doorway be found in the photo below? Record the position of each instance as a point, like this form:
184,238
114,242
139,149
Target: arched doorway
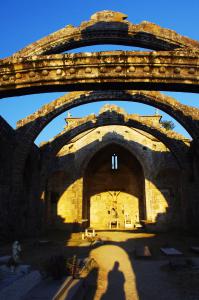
113,195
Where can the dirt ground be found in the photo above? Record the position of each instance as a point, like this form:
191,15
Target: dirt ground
150,276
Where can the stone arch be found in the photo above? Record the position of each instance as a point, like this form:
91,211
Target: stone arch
91,122
121,142
174,143
166,70
31,126
187,116
117,141
108,27
128,182
172,70
58,182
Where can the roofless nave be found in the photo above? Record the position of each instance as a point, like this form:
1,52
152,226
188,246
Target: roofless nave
113,169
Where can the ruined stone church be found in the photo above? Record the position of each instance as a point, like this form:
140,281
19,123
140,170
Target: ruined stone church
113,170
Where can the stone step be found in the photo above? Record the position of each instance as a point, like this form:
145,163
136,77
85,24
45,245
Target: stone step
7,276
4,259
21,286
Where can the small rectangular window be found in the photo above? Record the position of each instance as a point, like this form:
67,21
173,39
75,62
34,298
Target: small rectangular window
114,161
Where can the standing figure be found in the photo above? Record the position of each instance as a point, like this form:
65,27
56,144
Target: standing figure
16,250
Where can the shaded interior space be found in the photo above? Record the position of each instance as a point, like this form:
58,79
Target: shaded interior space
113,190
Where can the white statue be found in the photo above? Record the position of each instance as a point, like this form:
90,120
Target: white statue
16,250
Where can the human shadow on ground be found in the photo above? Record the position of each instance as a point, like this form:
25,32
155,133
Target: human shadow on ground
115,288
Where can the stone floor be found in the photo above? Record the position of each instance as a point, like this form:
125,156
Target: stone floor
120,275
123,277
117,279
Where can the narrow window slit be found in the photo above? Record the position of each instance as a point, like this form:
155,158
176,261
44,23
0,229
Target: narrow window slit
114,161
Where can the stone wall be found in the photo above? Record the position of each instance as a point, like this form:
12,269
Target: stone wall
73,161
20,206
168,197
7,144
31,201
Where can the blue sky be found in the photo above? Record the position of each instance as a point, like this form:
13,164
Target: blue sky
23,22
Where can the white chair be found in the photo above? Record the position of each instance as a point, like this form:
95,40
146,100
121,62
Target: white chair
128,222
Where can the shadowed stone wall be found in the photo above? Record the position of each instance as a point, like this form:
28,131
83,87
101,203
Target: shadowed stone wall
76,186
20,209
7,144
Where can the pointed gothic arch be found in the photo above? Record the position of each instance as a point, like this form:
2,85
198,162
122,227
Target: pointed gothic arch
172,141
30,127
91,149
124,193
